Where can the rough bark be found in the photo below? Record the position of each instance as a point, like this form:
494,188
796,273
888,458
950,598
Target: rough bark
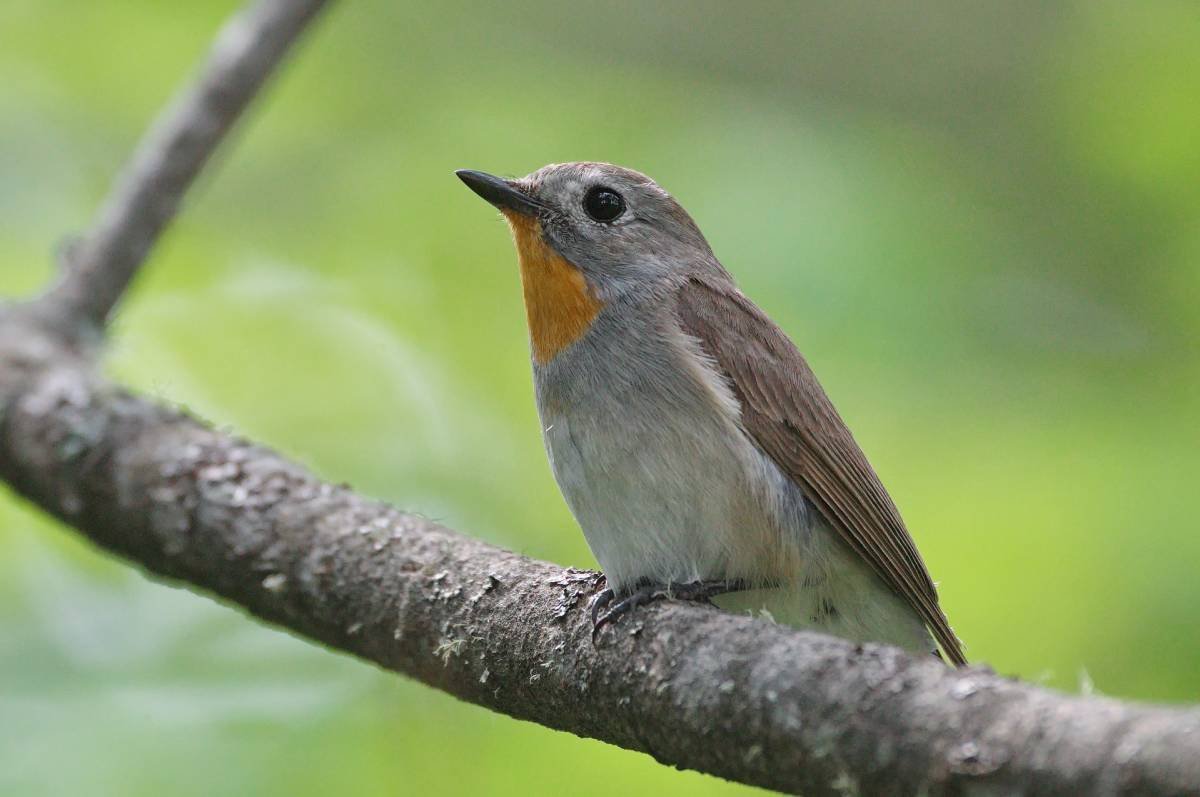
691,686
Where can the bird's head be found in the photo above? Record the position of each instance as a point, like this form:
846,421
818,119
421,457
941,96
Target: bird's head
587,234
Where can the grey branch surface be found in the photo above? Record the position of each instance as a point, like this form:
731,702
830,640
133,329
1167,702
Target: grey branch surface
695,688
692,686
174,150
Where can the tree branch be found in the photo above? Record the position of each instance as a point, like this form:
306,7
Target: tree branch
691,686
99,267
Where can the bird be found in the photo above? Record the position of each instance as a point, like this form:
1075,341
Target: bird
689,437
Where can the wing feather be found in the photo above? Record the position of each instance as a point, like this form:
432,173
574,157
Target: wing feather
785,410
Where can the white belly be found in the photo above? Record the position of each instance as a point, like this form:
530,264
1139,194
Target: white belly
668,489
677,505
668,503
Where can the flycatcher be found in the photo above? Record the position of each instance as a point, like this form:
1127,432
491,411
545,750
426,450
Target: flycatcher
689,436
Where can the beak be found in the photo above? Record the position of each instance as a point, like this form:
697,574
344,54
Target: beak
504,194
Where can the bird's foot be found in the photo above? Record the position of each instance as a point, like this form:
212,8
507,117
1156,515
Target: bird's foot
605,610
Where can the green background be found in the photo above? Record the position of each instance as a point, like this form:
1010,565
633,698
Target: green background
980,222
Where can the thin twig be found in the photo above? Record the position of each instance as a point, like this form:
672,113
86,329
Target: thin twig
99,266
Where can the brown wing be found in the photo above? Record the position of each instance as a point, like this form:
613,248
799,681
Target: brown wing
788,414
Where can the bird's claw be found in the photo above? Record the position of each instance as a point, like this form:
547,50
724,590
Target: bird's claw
701,591
603,598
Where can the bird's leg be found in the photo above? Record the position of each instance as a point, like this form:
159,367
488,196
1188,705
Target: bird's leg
605,611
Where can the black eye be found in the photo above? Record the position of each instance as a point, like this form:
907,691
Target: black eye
603,204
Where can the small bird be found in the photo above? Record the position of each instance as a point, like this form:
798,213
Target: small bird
688,435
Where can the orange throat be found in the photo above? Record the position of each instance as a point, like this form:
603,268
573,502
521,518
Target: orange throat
558,304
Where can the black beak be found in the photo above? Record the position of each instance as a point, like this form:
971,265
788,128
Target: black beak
504,194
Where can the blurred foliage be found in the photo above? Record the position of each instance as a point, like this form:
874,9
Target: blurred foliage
979,222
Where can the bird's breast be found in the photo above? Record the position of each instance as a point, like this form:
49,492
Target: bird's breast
559,306
650,456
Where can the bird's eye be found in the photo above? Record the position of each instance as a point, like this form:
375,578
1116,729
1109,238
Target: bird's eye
603,204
